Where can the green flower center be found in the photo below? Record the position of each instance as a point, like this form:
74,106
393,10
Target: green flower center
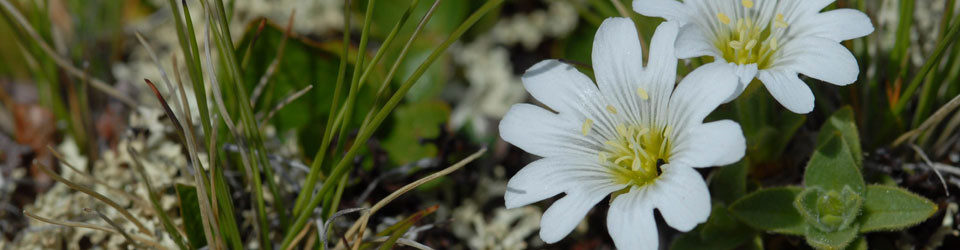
747,41
636,154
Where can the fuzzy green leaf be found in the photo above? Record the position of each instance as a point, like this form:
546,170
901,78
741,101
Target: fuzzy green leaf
892,208
190,211
859,244
832,167
771,209
842,123
831,240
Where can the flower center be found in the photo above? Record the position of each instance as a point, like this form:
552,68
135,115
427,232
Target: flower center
636,154
748,39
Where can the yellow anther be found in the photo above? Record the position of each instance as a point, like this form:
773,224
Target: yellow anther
723,18
611,109
750,45
642,93
747,3
735,44
773,43
586,126
780,22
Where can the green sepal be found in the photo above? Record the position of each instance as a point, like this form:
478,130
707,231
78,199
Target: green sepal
771,209
829,211
893,208
831,240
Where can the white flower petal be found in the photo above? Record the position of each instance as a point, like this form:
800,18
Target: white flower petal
809,6
660,74
699,93
823,59
564,215
711,144
630,221
550,176
745,73
544,133
618,63
693,42
681,196
837,25
560,86
788,89
667,9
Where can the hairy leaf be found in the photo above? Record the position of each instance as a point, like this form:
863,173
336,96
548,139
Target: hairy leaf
892,208
832,167
771,209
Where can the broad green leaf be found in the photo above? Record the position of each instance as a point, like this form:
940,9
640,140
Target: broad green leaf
771,209
832,167
190,212
829,210
831,240
721,231
893,208
842,123
729,183
413,123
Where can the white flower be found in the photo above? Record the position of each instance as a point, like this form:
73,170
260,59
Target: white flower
771,40
631,136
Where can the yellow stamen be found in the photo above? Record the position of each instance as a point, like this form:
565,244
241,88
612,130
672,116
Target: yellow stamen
611,109
747,3
773,43
780,22
586,126
642,93
750,45
723,18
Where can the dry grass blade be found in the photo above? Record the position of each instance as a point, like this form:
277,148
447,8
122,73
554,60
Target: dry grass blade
113,224
323,227
361,224
140,202
288,100
300,236
163,73
930,122
258,90
208,218
401,241
96,195
141,239
930,164
64,63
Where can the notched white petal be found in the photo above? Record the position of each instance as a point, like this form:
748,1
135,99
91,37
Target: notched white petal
789,90
716,143
559,85
682,197
630,222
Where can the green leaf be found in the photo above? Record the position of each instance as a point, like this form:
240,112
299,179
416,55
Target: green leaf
190,212
842,123
893,208
831,240
829,211
413,123
729,183
721,231
832,167
771,209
